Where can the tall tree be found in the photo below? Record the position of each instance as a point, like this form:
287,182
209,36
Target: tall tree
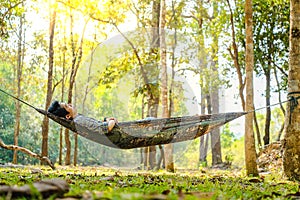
153,96
169,163
291,153
234,53
214,90
63,60
20,57
76,52
45,124
250,153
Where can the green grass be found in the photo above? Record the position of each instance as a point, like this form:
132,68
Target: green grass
105,183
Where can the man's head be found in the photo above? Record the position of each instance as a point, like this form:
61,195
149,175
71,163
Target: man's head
62,110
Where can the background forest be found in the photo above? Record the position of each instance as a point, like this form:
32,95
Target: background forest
103,57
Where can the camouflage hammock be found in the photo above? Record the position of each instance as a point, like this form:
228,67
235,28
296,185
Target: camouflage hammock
143,133
147,132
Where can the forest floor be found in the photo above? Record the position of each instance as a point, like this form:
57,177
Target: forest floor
41,182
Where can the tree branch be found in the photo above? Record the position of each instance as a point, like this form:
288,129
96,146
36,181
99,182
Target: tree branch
28,152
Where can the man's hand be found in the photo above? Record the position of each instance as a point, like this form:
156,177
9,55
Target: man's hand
111,118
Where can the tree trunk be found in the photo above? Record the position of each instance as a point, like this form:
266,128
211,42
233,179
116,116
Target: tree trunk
146,158
64,48
60,145
235,57
161,160
257,131
250,153
203,149
164,85
45,125
152,157
76,60
70,91
268,109
68,147
202,60
19,78
215,134
153,99
291,150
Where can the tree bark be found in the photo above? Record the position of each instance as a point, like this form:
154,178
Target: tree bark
64,48
45,125
19,78
203,147
235,58
250,153
257,131
214,90
28,152
205,102
291,150
76,60
268,109
215,134
164,85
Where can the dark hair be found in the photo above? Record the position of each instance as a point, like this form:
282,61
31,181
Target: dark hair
55,109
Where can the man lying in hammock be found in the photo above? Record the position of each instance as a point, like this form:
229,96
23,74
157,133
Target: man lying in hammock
69,112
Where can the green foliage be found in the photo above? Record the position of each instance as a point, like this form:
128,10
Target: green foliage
227,137
110,81
10,11
270,35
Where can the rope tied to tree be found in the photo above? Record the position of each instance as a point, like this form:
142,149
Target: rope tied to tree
293,102
292,99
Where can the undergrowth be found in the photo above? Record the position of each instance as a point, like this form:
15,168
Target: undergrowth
106,183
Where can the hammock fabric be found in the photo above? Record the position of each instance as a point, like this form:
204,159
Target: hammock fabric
143,133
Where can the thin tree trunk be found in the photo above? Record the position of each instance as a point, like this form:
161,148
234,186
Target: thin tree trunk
146,158
209,111
250,153
203,149
173,63
215,134
75,135
235,58
257,131
279,93
45,125
280,132
161,160
152,157
75,149
70,91
268,109
60,145
202,59
76,60
153,99
19,78
164,86
62,95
